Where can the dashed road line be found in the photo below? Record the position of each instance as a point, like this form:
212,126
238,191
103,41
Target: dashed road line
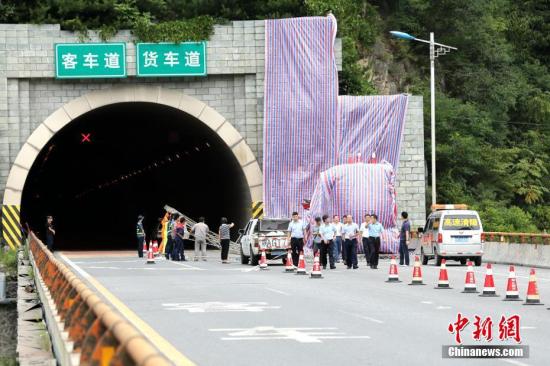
363,317
277,291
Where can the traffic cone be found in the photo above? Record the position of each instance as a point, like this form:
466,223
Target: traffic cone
393,275
263,260
489,285
533,297
150,257
470,281
417,273
301,265
512,292
145,246
316,272
289,266
155,248
443,281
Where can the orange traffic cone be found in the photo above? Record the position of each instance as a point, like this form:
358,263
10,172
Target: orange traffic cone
417,273
145,246
443,282
263,260
512,292
533,297
489,285
289,266
470,281
155,248
301,265
316,272
393,275
150,257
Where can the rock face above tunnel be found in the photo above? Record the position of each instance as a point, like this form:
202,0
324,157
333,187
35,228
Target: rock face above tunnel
29,94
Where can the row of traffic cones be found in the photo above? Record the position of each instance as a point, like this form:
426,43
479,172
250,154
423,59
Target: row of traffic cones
289,265
154,247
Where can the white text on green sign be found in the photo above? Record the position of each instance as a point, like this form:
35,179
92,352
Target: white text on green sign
171,59
90,60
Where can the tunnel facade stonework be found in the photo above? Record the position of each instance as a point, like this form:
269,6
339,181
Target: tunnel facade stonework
34,104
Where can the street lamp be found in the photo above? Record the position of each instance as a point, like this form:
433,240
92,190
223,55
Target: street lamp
436,49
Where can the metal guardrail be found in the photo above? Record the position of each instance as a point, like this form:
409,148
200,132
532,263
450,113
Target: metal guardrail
97,334
520,238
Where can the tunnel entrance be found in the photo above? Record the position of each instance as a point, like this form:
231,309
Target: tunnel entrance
114,162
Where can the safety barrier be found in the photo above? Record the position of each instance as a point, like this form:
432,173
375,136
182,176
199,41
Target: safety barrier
99,336
520,238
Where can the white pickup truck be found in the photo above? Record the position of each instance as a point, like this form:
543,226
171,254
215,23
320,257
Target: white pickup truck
268,234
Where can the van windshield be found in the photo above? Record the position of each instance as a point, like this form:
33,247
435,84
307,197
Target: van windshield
460,222
274,224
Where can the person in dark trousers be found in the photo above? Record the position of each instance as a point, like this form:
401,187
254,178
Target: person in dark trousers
171,236
365,236
375,229
174,254
316,233
225,238
50,233
296,234
178,252
404,239
349,232
140,233
328,233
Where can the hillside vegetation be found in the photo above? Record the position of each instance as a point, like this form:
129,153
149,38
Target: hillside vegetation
493,97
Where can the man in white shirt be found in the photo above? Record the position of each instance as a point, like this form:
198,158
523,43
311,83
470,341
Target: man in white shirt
199,230
338,249
327,231
364,229
296,234
349,232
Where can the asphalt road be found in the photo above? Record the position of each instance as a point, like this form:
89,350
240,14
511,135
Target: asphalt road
233,314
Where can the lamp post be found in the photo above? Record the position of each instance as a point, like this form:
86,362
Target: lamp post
436,49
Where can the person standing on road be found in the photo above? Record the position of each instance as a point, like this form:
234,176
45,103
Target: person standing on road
375,229
349,232
328,232
225,238
140,233
199,230
296,234
364,229
179,253
171,247
404,239
338,250
50,233
316,233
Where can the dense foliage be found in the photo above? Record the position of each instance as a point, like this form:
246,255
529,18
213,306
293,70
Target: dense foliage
493,94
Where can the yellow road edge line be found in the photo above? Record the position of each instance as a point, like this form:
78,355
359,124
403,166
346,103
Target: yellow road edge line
156,339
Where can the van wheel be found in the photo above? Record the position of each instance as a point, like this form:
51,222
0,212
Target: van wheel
244,258
423,257
463,262
253,258
477,261
438,259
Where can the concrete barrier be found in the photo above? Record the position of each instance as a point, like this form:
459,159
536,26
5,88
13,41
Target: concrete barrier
521,254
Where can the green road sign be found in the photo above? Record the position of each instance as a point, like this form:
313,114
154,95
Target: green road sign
171,59
90,60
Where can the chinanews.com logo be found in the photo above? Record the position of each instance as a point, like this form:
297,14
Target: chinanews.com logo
508,332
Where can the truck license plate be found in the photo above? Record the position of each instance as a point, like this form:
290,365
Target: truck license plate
274,243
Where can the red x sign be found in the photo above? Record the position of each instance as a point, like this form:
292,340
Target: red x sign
85,137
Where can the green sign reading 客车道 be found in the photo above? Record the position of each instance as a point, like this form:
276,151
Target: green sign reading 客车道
171,59
90,60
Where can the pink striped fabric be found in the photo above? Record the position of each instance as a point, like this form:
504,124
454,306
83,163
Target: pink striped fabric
371,124
300,110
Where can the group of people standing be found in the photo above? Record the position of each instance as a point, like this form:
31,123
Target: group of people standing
338,240
173,234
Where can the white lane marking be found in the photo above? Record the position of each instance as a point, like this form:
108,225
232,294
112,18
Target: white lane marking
363,317
300,335
441,307
143,268
277,291
107,262
220,307
83,273
251,269
187,266
426,302
527,327
513,362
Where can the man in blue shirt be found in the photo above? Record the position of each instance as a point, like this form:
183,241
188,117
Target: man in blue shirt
328,232
349,233
296,233
404,238
375,229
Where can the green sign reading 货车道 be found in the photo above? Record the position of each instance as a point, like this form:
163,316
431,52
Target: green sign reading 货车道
171,59
90,60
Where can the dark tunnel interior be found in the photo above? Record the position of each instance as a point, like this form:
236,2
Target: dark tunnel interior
106,167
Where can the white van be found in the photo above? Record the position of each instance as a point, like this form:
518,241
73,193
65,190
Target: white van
452,232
